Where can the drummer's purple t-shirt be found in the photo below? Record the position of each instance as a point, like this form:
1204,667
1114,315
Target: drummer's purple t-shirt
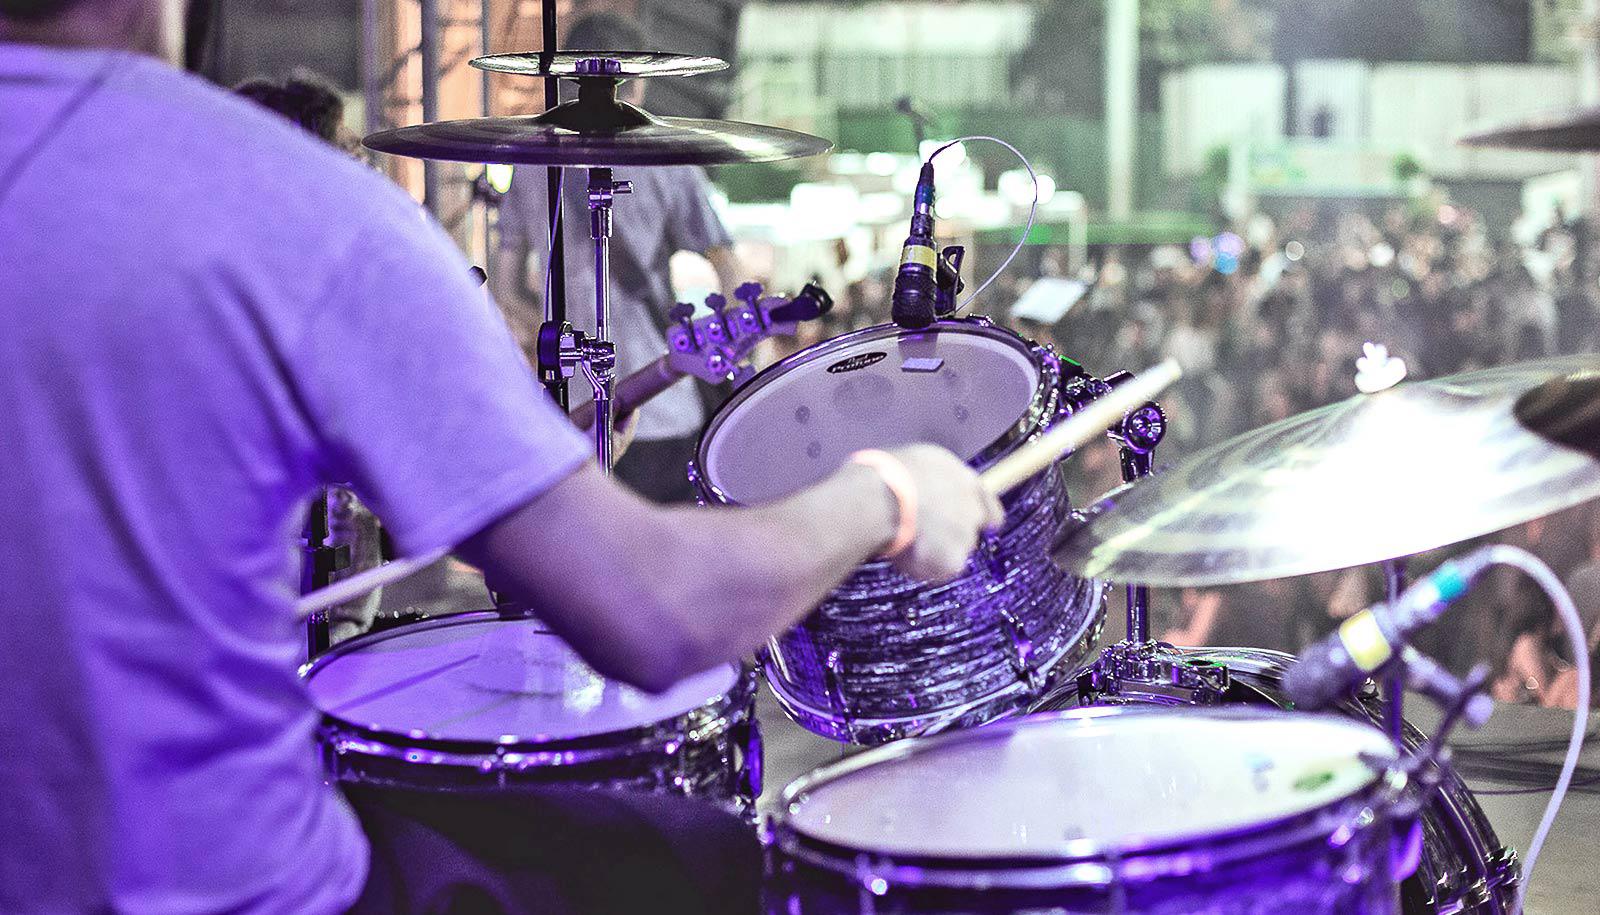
204,314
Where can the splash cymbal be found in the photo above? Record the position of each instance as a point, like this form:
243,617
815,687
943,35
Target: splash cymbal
1572,131
595,131
1378,476
616,64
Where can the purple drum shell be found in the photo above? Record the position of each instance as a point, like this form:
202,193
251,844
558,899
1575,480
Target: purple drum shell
885,656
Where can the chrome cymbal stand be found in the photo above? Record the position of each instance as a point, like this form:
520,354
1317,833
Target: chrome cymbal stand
563,350
603,190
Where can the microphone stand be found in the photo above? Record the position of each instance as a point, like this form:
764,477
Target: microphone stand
555,293
1394,682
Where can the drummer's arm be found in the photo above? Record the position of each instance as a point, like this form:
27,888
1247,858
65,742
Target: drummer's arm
651,594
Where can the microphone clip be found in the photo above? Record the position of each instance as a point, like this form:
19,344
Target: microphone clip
947,281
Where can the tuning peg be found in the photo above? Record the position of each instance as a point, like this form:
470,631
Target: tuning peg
748,293
812,302
717,331
683,337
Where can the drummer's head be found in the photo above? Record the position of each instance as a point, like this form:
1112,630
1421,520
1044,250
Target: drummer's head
149,26
609,32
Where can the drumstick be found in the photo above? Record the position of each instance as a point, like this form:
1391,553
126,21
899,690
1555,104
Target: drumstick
359,584
1079,428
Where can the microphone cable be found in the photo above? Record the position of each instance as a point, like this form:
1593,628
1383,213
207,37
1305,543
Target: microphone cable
1033,210
1547,580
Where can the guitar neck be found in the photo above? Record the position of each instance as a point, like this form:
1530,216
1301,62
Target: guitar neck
632,392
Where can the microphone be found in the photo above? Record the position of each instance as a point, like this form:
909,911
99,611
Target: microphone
1367,641
915,285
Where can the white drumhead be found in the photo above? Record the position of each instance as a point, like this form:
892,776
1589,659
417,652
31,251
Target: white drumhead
489,679
1056,786
956,386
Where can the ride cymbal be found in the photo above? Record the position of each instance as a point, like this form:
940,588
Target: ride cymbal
1374,477
1565,410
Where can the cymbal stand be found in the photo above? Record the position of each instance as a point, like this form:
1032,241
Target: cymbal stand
1139,433
603,191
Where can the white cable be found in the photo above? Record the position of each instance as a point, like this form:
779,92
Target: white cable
1546,579
1033,210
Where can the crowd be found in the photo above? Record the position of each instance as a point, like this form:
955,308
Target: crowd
1268,321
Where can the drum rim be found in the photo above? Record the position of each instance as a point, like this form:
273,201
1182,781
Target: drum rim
1452,802
1089,863
519,751
1041,406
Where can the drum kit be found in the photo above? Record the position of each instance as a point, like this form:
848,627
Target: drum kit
1007,775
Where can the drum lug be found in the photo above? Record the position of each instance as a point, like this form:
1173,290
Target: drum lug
994,563
872,885
833,678
747,778
1019,651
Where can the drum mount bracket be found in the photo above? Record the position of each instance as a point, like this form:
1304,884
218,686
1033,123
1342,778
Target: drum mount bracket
562,350
1154,665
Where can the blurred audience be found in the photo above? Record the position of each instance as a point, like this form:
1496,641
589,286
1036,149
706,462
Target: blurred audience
1268,319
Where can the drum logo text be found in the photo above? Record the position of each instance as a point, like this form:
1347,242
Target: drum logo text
858,361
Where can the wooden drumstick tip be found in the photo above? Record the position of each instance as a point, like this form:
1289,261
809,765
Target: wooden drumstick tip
1080,428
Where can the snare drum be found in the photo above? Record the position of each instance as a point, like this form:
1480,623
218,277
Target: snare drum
885,656
1464,868
1097,810
487,701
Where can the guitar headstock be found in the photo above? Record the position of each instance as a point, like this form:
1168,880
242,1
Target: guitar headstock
714,347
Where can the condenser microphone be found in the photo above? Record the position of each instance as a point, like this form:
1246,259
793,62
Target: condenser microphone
1367,641
915,285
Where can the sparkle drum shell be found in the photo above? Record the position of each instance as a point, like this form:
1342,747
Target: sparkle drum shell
1463,869
486,701
1104,810
885,656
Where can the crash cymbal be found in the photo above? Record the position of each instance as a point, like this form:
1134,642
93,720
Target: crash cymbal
1572,131
617,64
597,130
1378,476
1565,410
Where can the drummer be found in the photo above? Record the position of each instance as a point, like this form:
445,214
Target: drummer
236,315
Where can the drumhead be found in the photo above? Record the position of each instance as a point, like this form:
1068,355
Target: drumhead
1088,781
484,678
960,385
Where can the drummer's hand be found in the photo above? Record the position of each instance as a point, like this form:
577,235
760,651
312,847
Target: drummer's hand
953,508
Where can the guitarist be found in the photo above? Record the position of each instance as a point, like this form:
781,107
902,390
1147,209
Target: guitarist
668,211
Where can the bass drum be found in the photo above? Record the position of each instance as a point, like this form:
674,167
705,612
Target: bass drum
1464,868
